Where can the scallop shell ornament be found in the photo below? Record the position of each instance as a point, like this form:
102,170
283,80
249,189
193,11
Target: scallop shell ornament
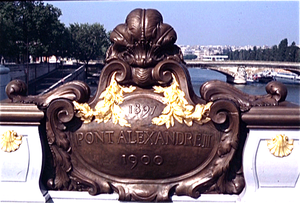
280,146
10,141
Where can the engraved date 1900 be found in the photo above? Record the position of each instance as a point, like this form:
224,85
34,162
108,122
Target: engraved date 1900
145,159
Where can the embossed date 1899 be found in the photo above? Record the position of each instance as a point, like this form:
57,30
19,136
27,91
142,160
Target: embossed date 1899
145,159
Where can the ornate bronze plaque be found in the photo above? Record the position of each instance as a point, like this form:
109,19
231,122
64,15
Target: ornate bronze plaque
145,134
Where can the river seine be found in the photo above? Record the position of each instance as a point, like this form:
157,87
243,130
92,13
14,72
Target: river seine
199,76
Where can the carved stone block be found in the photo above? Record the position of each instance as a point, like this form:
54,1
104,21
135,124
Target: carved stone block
21,155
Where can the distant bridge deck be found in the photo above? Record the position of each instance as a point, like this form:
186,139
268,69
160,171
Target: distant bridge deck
290,66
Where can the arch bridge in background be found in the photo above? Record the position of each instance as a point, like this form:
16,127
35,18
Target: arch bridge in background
289,66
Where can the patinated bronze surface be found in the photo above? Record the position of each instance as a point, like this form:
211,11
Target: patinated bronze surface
145,134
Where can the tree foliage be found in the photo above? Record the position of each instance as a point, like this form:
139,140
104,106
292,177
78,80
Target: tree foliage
88,41
32,28
29,28
282,52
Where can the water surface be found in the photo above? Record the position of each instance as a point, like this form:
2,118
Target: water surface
199,76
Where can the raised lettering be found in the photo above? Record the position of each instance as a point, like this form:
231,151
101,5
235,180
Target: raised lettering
188,137
170,136
131,141
192,139
110,133
202,140
206,142
122,137
198,141
133,160
141,110
158,160
149,137
79,138
89,138
146,109
130,109
137,108
124,159
159,137
178,140
140,137
145,159
99,137
153,110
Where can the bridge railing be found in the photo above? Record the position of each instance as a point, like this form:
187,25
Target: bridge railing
32,71
78,74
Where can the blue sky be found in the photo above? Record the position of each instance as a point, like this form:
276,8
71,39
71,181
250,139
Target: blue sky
237,23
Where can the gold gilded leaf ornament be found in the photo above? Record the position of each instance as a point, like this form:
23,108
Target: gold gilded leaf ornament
84,112
107,108
177,107
10,141
280,145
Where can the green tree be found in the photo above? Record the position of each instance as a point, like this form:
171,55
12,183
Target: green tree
291,52
89,42
282,52
282,49
259,54
49,29
297,57
8,32
28,28
273,54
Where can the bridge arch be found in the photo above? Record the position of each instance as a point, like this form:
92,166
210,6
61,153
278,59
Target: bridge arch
237,72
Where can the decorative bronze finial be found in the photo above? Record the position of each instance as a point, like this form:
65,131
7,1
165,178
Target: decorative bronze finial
142,42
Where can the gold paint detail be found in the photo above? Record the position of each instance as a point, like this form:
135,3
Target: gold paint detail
280,145
107,108
178,107
10,141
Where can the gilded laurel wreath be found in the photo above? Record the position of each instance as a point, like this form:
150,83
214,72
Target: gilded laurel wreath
107,108
178,107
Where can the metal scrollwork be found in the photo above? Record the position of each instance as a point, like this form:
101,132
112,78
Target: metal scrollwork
75,90
216,90
59,113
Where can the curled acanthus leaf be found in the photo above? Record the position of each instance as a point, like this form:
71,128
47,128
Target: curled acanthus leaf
107,108
178,108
